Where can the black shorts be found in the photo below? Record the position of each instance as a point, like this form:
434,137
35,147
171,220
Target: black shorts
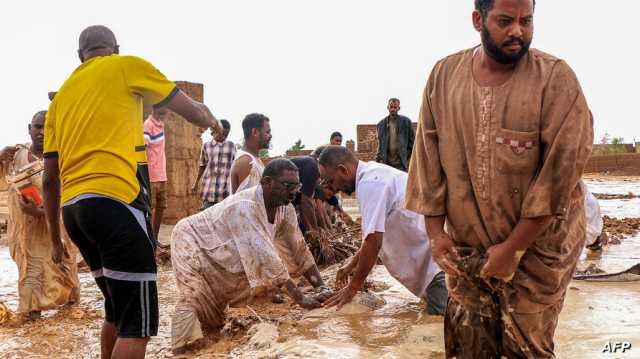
113,239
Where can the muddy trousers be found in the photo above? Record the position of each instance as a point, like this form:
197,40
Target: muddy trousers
512,335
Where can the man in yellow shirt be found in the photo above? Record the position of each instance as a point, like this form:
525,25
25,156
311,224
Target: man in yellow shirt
94,149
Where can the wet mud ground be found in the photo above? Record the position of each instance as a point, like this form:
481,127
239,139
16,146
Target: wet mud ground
594,314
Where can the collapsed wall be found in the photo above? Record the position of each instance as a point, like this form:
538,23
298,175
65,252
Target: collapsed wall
182,150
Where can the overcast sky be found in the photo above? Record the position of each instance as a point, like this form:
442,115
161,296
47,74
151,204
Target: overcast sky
313,67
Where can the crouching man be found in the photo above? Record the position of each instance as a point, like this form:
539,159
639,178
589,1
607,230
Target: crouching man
239,248
389,231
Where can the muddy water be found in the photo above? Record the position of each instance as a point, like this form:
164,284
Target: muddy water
594,313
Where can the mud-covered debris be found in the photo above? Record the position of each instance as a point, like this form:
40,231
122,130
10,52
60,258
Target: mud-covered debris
605,196
5,314
590,270
617,229
234,325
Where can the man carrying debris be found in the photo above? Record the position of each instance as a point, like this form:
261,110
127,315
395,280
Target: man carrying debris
42,284
396,235
216,158
247,167
248,243
94,149
503,137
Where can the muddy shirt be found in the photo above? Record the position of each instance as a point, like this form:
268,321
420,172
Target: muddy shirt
486,157
405,251
236,237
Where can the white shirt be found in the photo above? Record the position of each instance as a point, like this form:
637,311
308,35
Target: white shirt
255,175
405,251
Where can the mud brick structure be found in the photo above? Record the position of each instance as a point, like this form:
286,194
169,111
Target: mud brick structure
182,149
628,163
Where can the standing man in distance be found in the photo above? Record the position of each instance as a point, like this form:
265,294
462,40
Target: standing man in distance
216,158
247,167
94,149
157,162
336,139
395,138
504,134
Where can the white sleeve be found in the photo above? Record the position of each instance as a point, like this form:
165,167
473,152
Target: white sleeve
375,203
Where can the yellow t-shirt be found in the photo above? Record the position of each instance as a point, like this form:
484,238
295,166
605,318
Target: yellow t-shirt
94,127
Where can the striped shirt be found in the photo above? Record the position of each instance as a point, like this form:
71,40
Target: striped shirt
216,158
154,142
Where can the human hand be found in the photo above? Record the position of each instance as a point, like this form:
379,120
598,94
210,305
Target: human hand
29,206
59,252
323,293
502,262
341,297
309,302
342,276
444,253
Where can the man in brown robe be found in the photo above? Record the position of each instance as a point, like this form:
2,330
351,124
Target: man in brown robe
503,137
42,284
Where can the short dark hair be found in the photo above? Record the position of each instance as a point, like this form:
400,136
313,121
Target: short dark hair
277,167
333,156
251,121
97,37
225,124
484,6
39,113
393,99
335,134
318,151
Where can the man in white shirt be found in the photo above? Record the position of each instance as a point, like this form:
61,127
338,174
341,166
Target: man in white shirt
389,231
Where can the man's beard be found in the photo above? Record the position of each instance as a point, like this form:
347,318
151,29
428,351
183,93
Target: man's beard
349,188
495,52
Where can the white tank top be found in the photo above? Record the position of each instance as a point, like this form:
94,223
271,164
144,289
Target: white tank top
253,179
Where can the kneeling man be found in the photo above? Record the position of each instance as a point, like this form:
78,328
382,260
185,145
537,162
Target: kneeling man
240,247
395,234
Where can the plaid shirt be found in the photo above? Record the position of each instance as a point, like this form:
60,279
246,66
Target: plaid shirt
217,159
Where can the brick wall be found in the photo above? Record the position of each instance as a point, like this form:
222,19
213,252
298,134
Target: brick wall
182,149
627,163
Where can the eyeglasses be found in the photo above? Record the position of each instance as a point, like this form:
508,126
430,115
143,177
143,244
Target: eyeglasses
290,186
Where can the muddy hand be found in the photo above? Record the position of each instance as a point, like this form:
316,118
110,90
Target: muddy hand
323,294
445,254
59,252
342,277
502,262
342,297
309,302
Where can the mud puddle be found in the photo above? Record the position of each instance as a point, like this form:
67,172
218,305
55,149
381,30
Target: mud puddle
594,313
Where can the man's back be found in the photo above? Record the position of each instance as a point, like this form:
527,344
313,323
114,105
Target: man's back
95,124
380,190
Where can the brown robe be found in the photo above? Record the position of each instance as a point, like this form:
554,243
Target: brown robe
486,157
42,284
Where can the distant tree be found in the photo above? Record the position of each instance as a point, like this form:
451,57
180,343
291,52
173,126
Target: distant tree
606,139
617,141
297,146
263,153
